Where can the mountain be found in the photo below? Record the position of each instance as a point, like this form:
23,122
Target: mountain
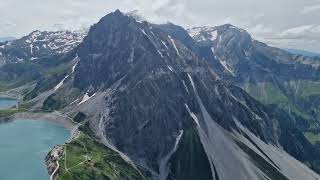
4,39
160,102
38,45
154,100
271,75
236,51
302,52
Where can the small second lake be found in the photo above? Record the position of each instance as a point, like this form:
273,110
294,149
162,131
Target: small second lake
7,103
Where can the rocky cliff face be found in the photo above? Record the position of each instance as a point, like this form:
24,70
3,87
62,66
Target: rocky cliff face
153,98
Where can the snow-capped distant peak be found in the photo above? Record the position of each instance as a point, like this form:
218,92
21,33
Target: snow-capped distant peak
197,30
205,33
41,43
210,34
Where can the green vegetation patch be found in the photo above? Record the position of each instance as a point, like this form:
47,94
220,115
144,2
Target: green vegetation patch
308,88
4,86
190,161
64,97
8,112
76,155
269,94
266,93
313,138
87,159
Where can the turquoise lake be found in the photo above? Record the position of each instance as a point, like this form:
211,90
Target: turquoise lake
23,146
7,103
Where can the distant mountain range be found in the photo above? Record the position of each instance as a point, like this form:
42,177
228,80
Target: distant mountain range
303,52
39,44
4,39
158,102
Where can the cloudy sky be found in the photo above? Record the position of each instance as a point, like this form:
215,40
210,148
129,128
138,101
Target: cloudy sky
282,23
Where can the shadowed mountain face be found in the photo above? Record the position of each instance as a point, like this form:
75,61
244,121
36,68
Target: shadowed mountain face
167,102
150,95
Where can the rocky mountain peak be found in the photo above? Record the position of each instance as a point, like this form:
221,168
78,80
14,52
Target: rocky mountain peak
119,45
210,34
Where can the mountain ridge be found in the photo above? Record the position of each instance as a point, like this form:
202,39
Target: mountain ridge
120,79
302,52
150,93
8,38
271,75
39,44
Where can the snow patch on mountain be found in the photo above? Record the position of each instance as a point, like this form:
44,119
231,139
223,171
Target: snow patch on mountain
160,53
191,81
151,40
60,83
214,35
205,33
194,117
212,50
185,86
144,32
74,67
33,58
194,32
86,97
225,65
165,44
39,44
174,45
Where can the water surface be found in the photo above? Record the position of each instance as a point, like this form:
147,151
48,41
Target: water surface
7,103
23,147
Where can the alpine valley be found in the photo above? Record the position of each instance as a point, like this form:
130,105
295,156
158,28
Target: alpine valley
160,102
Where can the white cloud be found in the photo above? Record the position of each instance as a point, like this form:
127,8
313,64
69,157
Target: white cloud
261,29
309,32
310,9
6,26
300,37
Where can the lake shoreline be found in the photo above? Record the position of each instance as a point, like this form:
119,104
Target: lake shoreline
9,96
39,116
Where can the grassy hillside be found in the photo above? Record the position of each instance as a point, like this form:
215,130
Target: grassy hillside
86,159
190,161
298,98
